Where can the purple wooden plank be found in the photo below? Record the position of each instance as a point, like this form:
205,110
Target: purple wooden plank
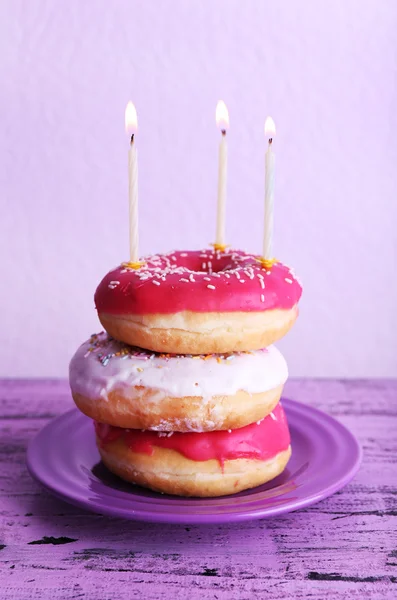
346,546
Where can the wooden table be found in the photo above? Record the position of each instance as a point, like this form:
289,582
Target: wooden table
343,547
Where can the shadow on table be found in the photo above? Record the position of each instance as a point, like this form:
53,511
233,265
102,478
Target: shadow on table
56,517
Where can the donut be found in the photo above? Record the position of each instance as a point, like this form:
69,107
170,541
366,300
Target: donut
204,464
133,388
199,302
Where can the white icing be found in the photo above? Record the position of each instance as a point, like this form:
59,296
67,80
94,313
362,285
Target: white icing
175,376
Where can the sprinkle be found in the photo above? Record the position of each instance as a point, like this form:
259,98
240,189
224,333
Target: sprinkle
268,272
242,280
288,280
259,422
229,431
207,278
139,369
227,275
184,280
210,287
155,282
262,298
262,284
219,360
113,284
204,265
183,254
237,275
273,416
259,275
230,357
191,277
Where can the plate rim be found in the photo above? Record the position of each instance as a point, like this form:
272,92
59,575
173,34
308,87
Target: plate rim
151,516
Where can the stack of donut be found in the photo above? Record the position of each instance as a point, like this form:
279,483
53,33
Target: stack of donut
184,385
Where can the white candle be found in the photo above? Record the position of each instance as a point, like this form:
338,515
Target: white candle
222,121
270,131
131,124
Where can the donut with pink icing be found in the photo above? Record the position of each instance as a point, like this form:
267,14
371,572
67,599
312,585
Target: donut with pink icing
199,302
198,464
133,388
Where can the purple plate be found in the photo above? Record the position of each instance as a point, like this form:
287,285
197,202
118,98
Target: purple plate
325,456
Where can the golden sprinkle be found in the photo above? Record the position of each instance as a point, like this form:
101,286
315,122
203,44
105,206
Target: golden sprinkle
139,369
219,247
267,263
133,265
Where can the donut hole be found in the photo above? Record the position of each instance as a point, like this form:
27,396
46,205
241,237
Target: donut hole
212,263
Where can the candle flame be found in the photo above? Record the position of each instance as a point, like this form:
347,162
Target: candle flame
131,120
222,116
270,128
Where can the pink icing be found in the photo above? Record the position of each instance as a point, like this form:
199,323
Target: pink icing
200,281
262,440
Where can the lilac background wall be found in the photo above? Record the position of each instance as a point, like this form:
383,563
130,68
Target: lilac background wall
325,71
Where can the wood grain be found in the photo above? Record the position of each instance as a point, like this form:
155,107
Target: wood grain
343,547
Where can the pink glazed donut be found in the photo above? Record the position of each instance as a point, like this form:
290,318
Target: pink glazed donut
199,302
214,463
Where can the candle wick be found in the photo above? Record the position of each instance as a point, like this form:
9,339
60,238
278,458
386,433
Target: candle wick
270,141
132,139
223,131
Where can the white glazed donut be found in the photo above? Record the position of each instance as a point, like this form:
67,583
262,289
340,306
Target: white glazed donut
128,387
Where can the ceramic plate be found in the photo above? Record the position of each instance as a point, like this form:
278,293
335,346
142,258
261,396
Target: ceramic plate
325,456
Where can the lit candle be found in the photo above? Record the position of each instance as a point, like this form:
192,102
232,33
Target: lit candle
270,131
222,121
131,125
